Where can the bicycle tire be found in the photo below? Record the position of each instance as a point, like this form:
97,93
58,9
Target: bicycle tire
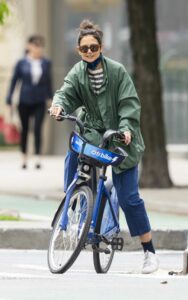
66,235
98,257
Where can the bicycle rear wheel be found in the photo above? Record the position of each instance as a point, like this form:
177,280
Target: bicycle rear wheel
102,260
65,245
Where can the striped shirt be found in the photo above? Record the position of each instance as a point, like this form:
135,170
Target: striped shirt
96,78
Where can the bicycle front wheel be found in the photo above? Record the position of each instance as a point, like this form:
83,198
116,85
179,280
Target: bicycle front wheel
102,259
65,245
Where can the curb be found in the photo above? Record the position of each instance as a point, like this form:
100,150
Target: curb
38,238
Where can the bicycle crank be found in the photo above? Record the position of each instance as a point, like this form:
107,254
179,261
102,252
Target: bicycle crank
101,250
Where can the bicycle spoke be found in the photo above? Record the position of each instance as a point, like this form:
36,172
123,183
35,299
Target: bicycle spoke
64,242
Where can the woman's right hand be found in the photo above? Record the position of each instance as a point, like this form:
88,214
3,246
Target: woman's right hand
55,111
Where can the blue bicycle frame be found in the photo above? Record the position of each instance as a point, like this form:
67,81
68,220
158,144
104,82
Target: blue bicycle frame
102,191
101,157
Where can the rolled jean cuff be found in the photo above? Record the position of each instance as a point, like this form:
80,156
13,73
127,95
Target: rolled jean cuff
137,219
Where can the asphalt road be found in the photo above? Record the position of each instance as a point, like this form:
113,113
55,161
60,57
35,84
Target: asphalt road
24,275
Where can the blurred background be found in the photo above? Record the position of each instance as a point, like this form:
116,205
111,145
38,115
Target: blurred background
57,21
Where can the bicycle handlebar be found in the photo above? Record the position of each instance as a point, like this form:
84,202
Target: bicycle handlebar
63,116
106,137
109,134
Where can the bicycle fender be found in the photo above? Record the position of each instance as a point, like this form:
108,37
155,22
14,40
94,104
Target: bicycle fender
57,211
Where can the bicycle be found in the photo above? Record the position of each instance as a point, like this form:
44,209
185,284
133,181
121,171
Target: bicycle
79,220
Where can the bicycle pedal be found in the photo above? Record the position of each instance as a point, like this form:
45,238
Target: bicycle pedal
117,243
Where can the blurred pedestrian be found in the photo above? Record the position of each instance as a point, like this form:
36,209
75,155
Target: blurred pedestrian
106,93
33,71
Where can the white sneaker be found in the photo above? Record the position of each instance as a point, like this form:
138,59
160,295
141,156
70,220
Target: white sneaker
151,263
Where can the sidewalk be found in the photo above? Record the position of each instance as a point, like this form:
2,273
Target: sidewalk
48,182
43,183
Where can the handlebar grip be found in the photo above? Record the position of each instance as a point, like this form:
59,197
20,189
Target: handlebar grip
109,134
64,116
119,135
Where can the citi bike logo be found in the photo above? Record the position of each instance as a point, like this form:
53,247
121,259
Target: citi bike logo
105,156
78,142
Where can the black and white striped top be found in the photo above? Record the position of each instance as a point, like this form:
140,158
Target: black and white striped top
96,78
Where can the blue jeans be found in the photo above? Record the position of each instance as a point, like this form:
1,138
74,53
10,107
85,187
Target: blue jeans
126,185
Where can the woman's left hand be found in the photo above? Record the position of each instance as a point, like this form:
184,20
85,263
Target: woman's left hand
127,139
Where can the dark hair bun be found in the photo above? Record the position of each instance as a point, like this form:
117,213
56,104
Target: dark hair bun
89,28
87,24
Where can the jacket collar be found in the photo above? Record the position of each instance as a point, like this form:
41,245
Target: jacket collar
103,60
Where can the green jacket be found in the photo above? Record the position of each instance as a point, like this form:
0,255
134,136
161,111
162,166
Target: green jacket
117,106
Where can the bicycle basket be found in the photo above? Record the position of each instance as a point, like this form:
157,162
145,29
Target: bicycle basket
104,156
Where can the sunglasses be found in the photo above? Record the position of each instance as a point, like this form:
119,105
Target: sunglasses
93,48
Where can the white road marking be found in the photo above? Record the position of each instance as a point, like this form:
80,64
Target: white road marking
28,251
31,267
160,274
76,270
136,276
6,275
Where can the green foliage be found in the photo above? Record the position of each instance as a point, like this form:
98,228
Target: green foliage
4,11
2,141
9,218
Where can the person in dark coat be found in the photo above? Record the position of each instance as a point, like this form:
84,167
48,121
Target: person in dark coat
33,71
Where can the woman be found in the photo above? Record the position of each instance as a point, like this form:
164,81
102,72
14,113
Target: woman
34,74
109,101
